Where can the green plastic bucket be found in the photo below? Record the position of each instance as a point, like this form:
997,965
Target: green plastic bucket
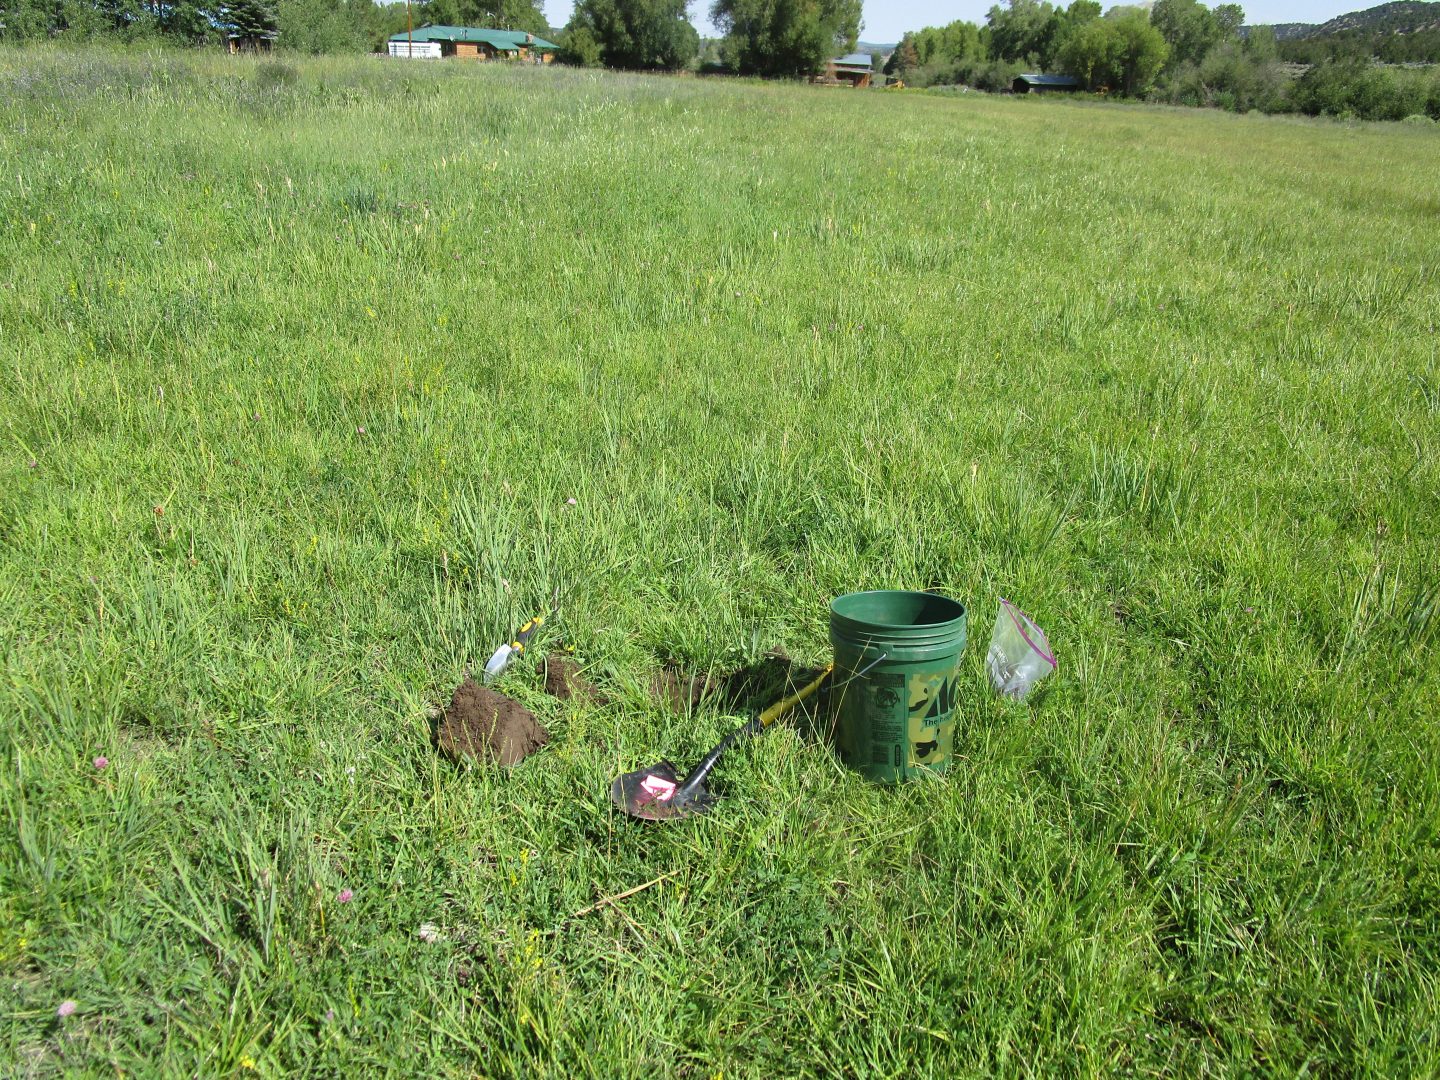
897,720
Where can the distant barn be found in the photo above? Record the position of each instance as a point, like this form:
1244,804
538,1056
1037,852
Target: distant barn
250,43
854,70
471,43
1043,84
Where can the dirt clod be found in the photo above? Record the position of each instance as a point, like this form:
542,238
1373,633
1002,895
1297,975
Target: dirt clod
563,680
486,725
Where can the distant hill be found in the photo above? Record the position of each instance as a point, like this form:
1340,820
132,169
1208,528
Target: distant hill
872,47
1292,31
1403,32
1402,17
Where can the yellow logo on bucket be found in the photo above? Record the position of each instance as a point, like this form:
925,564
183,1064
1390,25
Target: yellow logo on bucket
932,718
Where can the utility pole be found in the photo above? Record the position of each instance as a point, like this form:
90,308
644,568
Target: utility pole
409,33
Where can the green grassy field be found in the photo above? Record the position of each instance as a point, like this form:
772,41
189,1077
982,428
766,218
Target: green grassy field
301,365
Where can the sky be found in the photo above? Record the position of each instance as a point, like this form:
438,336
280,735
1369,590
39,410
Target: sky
885,22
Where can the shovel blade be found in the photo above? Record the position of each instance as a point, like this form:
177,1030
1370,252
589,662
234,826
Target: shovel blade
654,794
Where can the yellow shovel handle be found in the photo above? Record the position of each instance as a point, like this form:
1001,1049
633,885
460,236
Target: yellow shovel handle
781,707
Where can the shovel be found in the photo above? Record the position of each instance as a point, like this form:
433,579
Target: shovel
657,794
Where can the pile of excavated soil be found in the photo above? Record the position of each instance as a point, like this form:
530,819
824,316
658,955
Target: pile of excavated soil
488,726
563,680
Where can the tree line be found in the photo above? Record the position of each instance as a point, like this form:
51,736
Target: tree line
1122,51
312,26
775,38
1179,51
763,37
1412,47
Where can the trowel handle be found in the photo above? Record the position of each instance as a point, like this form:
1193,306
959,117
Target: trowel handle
502,656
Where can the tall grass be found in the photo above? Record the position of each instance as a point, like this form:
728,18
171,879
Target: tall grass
302,369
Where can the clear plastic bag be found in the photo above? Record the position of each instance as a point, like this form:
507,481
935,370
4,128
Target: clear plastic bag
1019,655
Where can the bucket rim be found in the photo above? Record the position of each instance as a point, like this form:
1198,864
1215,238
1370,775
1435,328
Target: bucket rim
960,610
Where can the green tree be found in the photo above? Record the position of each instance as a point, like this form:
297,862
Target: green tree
1058,29
247,18
1189,28
1121,52
491,14
948,44
1260,44
904,59
325,26
1018,31
1092,55
32,19
1229,18
785,37
1234,78
125,19
187,20
636,34
939,54
1361,89
1143,51
579,46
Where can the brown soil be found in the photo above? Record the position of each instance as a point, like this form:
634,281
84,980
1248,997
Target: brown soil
680,691
748,689
767,681
564,681
483,724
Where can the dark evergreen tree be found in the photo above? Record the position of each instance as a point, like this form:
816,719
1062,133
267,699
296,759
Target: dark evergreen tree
248,19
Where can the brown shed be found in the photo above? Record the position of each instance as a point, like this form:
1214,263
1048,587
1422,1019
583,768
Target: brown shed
854,70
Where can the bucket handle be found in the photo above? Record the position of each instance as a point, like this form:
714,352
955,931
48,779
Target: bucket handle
859,674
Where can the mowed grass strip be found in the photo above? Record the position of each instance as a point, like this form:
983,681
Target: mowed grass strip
302,365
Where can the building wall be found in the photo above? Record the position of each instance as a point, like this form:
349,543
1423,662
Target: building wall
462,50
237,45
424,50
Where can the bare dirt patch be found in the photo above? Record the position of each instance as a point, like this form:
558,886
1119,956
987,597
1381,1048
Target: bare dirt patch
745,690
486,725
564,680
680,690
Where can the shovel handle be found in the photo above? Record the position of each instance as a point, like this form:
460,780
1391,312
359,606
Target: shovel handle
753,727
784,705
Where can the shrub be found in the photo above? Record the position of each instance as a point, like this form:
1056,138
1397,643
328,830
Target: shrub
1228,78
1362,90
992,75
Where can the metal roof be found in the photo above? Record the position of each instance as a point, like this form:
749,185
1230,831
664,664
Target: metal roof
505,40
854,59
1048,80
